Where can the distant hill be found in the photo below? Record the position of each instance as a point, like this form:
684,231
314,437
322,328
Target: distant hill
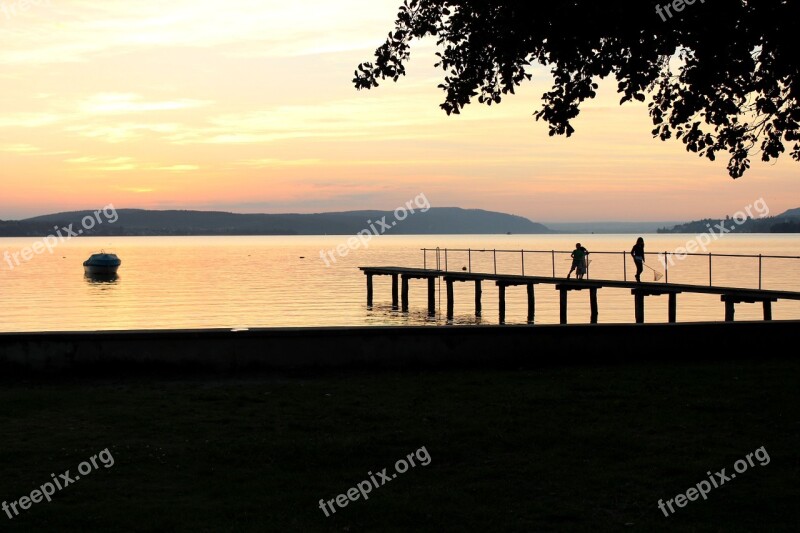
442,220
779,224
791,213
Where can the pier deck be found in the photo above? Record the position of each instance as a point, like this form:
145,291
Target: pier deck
730,296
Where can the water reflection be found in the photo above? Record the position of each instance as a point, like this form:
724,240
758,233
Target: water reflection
210,282
101,279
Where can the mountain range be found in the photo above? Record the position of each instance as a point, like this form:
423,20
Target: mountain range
442,220
435,220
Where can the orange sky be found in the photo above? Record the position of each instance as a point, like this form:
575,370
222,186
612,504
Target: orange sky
248,106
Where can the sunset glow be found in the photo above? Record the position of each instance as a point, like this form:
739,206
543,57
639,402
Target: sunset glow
248,106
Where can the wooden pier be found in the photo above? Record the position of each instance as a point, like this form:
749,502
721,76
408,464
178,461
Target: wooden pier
730,296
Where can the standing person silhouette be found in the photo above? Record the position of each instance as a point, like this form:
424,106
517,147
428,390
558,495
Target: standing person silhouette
637,252
578,261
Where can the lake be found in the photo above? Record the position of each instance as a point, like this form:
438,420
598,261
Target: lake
247,282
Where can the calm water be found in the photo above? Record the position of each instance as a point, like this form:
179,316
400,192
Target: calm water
237,282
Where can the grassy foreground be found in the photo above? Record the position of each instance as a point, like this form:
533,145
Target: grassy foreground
564,449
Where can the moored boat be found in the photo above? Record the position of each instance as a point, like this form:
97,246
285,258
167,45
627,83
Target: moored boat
102,264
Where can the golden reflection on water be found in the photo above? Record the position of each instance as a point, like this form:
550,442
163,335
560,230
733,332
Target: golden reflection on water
247,282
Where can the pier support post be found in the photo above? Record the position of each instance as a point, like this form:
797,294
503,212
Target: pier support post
563,305
767,310
673,307
478,305
639,302
394,291
593,303
369,290
431,296
531,304
404,293
502,289
450,303
730,309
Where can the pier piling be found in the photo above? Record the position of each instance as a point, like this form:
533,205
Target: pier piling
404,293
531,304
478,294
450,299
431,296
502,290
639,303
673,307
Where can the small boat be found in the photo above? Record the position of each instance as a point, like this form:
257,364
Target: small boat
102,264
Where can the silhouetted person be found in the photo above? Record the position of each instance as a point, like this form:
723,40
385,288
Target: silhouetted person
637,252
578,261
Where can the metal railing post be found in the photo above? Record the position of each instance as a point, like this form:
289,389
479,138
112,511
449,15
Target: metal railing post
554,264
760,270
624,266
522,252
666,267
469,259
495,261
710,278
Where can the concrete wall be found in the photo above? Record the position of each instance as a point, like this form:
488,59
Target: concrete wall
316,349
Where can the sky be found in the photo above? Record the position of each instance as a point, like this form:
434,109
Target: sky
249,106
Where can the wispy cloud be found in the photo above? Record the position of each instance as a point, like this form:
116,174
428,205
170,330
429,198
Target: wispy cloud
267,162
105,164
28,120
80,31
122,132
19,148
177,168
106,103
136,190
126,163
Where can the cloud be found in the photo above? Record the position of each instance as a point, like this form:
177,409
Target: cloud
82,31
267,162
108,103
137,190
178,168
20,148
28,120
112,164
126,163
121,132
351,118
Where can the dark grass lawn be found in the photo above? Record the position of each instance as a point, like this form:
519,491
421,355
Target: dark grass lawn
556,449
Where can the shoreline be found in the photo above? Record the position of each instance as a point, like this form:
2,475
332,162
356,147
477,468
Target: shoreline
385,347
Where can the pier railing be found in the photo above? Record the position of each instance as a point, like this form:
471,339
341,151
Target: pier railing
443,256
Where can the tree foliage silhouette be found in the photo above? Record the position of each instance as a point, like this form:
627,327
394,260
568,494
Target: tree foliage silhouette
719,76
